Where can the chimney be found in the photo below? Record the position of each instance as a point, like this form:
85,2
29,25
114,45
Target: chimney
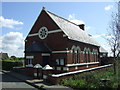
43,8
82,26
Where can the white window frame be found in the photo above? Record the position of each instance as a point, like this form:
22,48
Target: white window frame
58,68
29,60
62,61
27,57
45,76
65,68
57,62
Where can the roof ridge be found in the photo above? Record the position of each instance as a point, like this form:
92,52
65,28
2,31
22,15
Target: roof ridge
60,17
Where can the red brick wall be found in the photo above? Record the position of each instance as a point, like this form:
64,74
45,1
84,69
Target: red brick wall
82,46
81,67
37,58
55,80
55,41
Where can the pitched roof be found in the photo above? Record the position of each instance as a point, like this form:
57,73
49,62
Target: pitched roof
72,30
37,47
3,55
102,50
47,67
37,66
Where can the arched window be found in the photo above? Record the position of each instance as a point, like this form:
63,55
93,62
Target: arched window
88,56
94,55
85,55
78,54
73,54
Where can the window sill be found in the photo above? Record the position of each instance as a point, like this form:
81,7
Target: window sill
79,64
79,71
29,65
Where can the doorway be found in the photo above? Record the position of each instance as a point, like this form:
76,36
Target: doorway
45,60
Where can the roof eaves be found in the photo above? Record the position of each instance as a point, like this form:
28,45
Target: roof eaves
82,42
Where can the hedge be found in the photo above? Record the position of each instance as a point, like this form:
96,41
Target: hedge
8,65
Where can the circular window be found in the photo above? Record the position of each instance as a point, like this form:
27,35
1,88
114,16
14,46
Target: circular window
43,32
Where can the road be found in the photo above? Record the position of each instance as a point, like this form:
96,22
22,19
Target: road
11,82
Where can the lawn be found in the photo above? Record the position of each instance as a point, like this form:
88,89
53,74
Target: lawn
94,79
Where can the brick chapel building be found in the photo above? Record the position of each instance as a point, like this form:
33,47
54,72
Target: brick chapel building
61,44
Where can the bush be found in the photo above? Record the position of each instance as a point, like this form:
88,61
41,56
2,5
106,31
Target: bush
9,64
93,79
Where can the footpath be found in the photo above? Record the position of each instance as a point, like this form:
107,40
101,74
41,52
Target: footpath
37,83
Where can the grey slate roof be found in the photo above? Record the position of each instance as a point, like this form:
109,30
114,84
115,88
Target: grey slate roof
102,50
72,30
37,47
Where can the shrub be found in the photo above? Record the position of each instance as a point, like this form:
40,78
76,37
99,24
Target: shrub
9,64
92,79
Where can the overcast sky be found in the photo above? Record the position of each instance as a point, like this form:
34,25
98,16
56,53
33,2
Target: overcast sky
18,18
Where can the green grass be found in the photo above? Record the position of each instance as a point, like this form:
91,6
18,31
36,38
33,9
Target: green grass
93,79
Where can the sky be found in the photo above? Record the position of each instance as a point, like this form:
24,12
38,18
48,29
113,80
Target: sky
17,19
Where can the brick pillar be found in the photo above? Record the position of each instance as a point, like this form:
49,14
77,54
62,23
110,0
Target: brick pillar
46,75
47,72
38,71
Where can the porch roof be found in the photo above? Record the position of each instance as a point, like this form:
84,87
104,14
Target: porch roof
37,47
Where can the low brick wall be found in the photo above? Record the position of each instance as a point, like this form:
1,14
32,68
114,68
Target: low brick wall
25,71
81,67
106,60
55,80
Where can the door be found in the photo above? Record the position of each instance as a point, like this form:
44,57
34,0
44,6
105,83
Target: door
45,60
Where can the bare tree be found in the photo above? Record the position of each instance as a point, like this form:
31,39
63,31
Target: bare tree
114,33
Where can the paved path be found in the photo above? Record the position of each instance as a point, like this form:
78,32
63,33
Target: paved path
12,82
34,82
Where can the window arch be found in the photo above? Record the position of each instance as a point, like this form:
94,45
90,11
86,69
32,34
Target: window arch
88,55
78,54
73,54
95,55
85,55
73,47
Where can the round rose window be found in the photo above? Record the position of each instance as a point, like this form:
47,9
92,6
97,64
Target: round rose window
43,32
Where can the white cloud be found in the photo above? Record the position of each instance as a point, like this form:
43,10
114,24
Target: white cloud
108,7
98,35
72,18
9,23
12,43
103,36
109,36
101,39
107,48
77,21
87,27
